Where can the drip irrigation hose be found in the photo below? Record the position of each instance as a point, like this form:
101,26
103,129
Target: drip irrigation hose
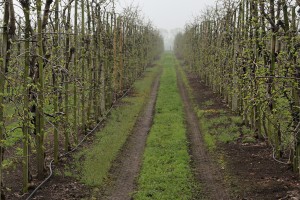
78,145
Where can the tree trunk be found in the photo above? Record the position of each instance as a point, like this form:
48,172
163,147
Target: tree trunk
40,102
75,106
55,82
26,121
3,66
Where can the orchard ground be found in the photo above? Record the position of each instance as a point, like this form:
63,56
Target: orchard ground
224,160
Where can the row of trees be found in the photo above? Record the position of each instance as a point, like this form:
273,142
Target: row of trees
62,65
248,51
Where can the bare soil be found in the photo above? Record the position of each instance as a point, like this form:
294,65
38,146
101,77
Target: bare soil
205,170
126,168
58,187
250,170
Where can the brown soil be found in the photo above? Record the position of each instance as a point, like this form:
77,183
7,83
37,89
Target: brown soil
51,190
126,167
250,170
204,169
60,186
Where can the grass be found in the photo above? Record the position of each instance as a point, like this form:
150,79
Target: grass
94,162
217,125
222,127
165,173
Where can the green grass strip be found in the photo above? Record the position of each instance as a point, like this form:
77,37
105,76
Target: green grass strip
97,159
165,173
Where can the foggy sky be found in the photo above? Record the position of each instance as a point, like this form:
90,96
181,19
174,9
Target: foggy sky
169,14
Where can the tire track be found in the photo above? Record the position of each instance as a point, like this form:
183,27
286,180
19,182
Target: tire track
126,167
204,169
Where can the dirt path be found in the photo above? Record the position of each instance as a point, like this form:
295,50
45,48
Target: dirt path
249,168
204,169
126,168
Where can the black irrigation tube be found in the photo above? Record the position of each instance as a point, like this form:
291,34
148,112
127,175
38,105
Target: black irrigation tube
78,145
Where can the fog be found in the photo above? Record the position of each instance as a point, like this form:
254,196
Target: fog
169,16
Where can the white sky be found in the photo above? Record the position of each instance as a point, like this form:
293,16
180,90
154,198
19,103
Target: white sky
169,14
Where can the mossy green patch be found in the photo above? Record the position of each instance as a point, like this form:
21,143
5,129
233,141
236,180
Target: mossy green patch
165,172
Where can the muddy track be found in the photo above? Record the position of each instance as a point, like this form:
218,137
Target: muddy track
204,169
126,167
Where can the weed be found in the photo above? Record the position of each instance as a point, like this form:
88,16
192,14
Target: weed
237,120
67,171
249,140
246,130
210,141
226,138
208,103
57,173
